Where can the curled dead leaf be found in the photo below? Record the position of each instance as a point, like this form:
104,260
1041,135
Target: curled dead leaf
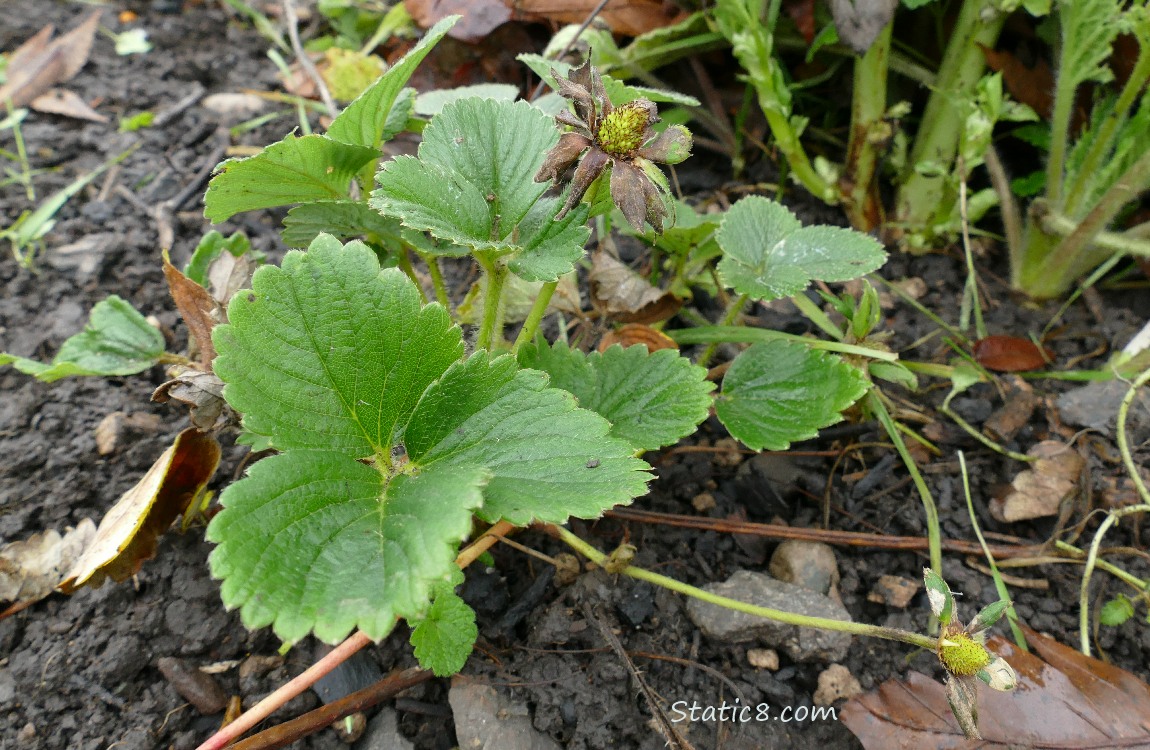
625,296
637,333
128,534
31,569
1040,490
199,311
201,392
1063,700
66,104
42,62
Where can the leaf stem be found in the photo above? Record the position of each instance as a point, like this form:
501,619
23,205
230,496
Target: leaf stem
538,310
403,259
746,335
815,314
999,584
496,274
790,618
732,314
1113,516
934,538
437,281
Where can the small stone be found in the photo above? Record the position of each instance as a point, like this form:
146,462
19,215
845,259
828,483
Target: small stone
836,682
703,502
894,591
108,433
566,569
811,565
728,452
27,733
232,105
763,658
486,719
800,644
197,688
383,733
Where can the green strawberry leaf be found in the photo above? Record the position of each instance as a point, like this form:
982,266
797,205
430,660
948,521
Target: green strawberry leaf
548,458
550,248
768,253
314,357
343,219
444,638
317,541
474,179
778,392
1116,611
294,170
116,341
363,122
211,246
390,443
651,399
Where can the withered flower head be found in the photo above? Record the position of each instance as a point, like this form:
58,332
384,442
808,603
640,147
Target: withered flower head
962,651
621,138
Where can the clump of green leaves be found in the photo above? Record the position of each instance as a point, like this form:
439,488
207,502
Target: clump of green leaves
400,442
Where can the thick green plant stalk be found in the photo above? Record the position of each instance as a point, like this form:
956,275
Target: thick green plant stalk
868,106
922,197
752,40
1051,263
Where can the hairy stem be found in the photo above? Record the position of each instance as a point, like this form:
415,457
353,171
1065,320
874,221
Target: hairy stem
933,536
538,310
790,618
745,335
732,314
496,274
868,106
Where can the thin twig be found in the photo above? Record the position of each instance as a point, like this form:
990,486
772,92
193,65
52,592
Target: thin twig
284,734
305,61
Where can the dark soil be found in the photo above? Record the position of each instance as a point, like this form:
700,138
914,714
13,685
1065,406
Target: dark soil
80,672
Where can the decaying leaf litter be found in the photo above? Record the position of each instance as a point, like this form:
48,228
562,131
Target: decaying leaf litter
717,554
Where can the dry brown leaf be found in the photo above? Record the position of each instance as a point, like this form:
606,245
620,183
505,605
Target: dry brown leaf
626,296
1010,354
481,17
39,64
802,13
128,534
31,569
66,104
1063,700
1039,491
199,311
637,333
228,274
1015,412
202,392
